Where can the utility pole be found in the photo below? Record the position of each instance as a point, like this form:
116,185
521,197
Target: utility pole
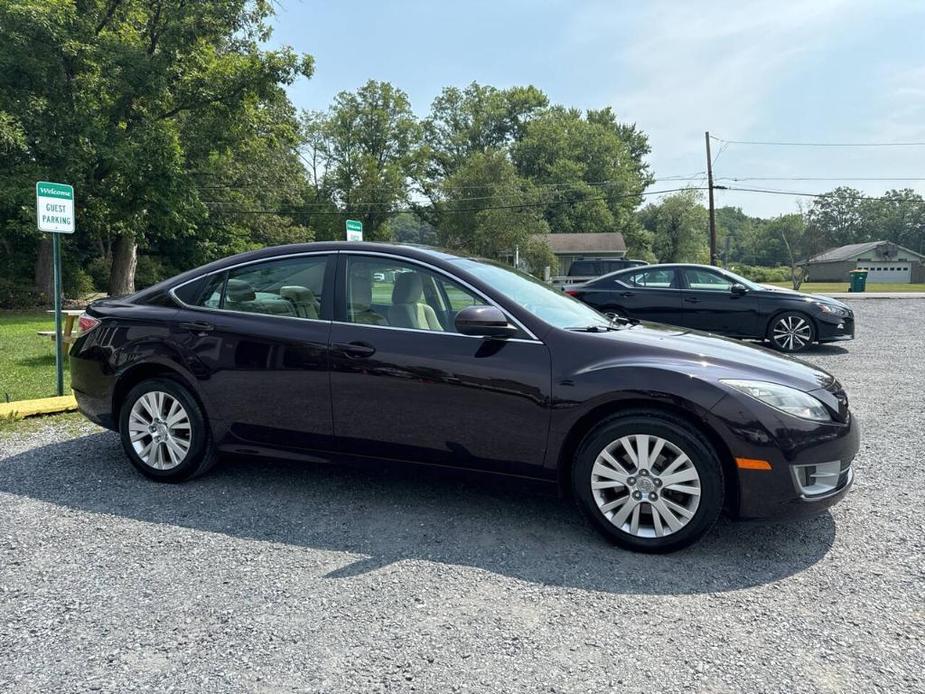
712,207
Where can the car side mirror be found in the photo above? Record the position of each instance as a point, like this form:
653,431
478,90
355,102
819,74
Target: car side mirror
484,321
738,289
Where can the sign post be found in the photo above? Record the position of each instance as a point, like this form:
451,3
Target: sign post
354,230
54,213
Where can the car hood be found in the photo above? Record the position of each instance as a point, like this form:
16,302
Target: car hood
808,297
712,357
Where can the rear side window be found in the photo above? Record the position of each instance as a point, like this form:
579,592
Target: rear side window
652,279
290,287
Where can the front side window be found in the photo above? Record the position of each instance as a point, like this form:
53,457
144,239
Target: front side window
704,280
291,287
388,292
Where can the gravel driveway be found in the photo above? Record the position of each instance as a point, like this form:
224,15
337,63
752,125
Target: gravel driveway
272,576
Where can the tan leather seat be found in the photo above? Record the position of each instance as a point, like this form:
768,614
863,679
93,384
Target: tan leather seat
361,299
408,307
303,299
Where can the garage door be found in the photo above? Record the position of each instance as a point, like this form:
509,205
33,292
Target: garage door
898,271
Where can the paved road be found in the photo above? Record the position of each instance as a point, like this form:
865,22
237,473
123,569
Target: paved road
278,577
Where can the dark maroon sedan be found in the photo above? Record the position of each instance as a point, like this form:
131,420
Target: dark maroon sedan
360,351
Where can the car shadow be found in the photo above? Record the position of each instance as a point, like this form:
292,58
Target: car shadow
386,515
821,349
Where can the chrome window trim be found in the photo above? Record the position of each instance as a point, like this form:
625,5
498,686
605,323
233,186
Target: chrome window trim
207,309
219,311
456,279
445,333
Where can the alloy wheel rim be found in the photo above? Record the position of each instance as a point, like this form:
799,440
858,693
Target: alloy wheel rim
792,333
645,486
159,430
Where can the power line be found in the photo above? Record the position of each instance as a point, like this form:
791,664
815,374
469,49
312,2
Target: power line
819,178
771,191
819,144
304,211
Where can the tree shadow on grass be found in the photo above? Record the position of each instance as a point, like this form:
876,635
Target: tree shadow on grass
390,513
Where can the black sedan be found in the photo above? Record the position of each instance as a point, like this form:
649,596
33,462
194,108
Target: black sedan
359,352
718,301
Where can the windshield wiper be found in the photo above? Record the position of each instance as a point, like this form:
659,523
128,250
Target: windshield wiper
597,328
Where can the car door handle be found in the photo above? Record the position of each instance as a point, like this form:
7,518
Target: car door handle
198,326
355,350
692,299
626,294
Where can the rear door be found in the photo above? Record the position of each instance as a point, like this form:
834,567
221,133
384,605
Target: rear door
648,294
258,337
709,304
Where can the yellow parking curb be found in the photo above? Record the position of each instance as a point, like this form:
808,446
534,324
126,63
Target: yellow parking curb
30,408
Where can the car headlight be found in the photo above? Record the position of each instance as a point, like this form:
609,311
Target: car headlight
832,310
790,400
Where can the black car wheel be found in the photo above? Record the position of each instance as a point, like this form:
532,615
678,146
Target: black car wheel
791,332
648,481
164,433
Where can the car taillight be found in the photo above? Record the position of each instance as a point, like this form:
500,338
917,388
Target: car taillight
571,292
86,323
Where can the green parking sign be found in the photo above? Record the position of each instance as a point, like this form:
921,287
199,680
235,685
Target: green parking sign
354,230
54,207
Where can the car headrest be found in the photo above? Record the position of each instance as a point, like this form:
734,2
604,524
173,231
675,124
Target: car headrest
300,295
361,291
239,290
409,289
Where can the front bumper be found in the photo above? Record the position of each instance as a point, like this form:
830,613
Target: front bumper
799,452
834,329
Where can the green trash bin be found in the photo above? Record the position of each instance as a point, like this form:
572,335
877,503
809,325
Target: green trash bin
858,280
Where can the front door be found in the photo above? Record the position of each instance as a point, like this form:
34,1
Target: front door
258,335
407,386
708,303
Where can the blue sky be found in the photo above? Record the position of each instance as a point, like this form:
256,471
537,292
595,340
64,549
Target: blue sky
811,71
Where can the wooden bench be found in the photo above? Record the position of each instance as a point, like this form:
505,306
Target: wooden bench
67,333
65,338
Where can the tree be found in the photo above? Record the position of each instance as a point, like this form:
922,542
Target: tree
841,217
592,169
102,92
503,217
365,149
477,119
678,224
800,241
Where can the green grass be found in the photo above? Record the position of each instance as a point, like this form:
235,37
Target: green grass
823,287
71,423
27,361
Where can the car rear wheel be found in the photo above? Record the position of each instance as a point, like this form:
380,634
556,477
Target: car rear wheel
164,433
648,481
791,332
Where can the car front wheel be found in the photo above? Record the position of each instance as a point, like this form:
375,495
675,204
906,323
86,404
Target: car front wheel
791,332
164,432
648,481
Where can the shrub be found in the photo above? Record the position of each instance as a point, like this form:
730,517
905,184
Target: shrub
15,294
756,273
150,270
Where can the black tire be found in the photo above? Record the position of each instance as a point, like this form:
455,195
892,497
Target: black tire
674,431
791,332
200,455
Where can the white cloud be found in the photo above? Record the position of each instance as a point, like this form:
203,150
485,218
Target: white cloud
691,67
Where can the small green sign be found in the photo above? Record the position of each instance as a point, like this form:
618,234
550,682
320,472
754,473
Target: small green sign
54,207
354,230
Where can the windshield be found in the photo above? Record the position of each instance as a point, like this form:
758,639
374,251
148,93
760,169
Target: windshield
544,302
